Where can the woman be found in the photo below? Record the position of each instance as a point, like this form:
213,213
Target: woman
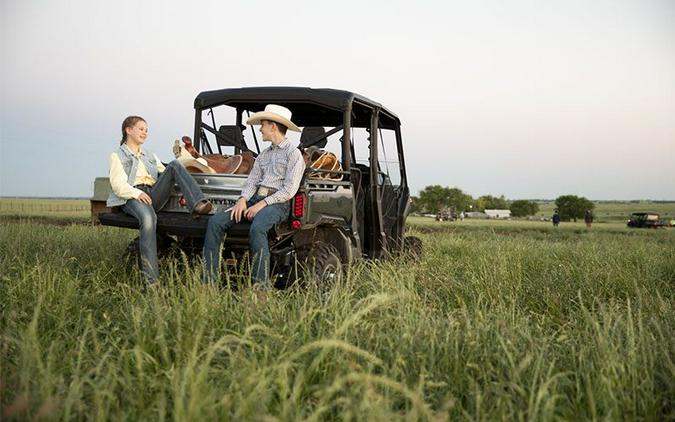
142,185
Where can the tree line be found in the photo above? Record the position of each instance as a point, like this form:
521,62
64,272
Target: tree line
435,198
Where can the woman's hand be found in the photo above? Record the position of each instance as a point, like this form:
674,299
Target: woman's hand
145,198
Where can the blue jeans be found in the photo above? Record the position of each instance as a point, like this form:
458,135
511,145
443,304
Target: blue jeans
146,214
221,222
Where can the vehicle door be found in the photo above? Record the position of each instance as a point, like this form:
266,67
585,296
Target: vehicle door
390,179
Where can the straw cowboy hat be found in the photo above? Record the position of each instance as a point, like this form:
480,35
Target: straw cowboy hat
188,160
274,113
211,163
196,165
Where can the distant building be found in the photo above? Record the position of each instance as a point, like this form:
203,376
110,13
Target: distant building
500,214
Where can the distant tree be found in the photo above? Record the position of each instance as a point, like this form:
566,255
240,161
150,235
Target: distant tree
432,198
458,200
523,208
435,197
572,207
489,202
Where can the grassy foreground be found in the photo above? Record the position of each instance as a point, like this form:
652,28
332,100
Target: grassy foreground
502,320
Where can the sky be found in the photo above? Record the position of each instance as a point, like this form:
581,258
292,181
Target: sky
526,99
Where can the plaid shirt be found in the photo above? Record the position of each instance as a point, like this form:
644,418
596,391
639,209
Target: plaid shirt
278,167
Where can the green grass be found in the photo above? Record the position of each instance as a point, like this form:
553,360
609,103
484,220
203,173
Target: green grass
499,320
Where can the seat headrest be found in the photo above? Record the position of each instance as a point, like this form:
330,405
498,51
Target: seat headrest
231,137
310,133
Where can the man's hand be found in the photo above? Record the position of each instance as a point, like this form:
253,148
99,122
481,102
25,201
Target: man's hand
251,212
145,198
237,210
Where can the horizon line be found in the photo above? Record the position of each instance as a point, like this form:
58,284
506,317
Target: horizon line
508,199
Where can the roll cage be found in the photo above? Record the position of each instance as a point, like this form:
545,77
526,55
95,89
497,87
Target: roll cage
335,109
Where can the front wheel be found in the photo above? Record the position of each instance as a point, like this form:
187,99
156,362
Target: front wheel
167,247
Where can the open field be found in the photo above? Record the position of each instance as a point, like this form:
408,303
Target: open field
65,209
78,209
499,320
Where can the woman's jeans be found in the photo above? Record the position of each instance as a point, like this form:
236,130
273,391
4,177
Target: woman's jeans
146,215
264,220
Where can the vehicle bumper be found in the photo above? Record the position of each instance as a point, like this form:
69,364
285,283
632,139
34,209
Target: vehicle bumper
177,224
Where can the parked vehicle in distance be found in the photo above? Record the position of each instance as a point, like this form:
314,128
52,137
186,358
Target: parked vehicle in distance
649,220
446,214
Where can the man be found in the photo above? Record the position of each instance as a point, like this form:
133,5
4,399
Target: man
264,200
588,218
556,218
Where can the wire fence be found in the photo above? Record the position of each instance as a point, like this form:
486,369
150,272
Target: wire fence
30,206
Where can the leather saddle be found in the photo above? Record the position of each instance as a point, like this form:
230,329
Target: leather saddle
322,164
195,162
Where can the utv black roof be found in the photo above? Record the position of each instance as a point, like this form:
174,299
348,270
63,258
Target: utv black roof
310,106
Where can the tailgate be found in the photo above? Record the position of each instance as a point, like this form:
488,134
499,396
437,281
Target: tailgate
222,190
177,224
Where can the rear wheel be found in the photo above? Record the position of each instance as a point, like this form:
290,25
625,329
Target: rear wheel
318,264
412,247
323,262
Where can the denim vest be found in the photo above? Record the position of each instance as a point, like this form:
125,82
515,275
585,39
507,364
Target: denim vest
130,165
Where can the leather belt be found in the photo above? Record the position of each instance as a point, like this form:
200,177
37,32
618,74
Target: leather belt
265,191
143,186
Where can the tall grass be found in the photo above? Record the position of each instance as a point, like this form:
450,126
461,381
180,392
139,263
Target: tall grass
494,322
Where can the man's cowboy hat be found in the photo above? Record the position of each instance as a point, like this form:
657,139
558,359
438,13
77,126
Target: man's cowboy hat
274,113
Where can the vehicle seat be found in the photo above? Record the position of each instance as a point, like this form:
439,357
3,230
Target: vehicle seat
232,136
312,132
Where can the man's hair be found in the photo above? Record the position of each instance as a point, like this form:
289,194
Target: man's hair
282,129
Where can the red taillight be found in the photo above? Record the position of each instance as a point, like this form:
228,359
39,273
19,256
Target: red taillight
182,202
298,206
296,224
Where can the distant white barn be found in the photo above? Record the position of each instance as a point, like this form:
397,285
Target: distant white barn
500,214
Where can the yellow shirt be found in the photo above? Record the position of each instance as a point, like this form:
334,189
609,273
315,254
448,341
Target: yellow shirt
119,179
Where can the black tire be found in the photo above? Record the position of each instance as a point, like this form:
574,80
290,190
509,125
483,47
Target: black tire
132,255
412,247
167,247
191,247
319,265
